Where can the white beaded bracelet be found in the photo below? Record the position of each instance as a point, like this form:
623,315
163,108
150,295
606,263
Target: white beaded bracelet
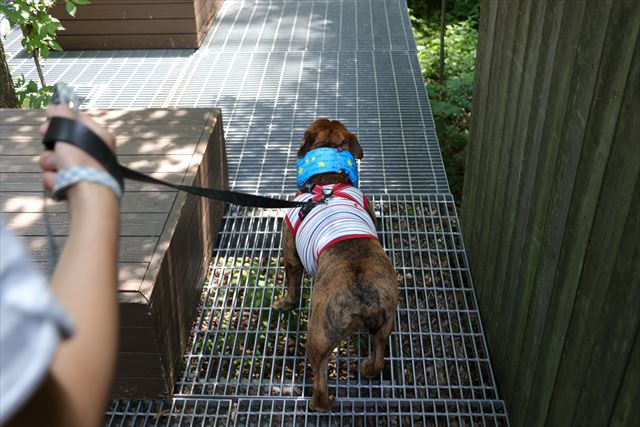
65,178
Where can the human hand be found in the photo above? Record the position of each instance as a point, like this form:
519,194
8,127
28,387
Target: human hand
66,155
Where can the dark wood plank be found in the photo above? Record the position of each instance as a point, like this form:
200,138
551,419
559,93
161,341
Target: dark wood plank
129,274
98,11
611,212
551,239
31,182
138,340
148,3
489,144
128,144
96,28
511,153
116,117
139,388
627,410
471,194
138,249
139,365
497,165
131,224
568,226
140,24
619,323
143,131
547,220
515,310
132,202
134,311
522,130
181,272
138,41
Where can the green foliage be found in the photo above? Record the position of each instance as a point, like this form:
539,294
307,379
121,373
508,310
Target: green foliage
30,95
39,30
452,114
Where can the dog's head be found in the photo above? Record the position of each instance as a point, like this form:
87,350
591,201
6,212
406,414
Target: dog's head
324,133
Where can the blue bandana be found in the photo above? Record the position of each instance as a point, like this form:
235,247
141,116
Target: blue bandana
325,160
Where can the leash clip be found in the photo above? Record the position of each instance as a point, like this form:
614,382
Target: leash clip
310,204
64,94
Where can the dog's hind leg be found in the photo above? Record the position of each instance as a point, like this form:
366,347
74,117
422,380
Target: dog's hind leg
375,363
293,270
319,347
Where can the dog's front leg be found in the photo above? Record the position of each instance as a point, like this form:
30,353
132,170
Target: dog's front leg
293,269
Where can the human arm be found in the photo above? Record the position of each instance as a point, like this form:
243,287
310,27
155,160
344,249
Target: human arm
77,387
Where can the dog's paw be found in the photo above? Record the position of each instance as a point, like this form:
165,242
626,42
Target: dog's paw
321,404
368,369
284,304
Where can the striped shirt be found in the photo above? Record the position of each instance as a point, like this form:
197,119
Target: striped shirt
344,216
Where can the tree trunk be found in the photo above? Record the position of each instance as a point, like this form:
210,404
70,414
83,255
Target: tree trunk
443,8
36,59
7,92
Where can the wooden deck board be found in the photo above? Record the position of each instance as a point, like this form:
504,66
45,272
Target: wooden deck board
166,237
105,24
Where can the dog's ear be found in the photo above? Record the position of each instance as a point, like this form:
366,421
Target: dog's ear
354,146
307,141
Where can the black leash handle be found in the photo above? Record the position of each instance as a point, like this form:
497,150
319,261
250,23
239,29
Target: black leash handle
76,133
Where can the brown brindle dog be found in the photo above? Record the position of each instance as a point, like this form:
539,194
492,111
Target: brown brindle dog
355,285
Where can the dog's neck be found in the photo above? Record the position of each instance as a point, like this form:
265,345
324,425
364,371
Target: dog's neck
329,178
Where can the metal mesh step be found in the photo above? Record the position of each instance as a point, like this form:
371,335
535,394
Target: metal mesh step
294,412
244,351
373,413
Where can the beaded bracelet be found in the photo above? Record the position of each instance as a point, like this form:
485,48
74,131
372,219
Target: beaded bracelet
65,178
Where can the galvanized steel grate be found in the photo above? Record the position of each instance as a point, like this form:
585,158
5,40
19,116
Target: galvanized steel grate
436,366
383,413
177,412
273,67
294,412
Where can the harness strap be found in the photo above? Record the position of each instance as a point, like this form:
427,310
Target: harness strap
75,133
319,198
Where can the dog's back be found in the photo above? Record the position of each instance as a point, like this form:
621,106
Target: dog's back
358,279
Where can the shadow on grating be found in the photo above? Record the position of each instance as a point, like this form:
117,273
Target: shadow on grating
294,412
178,412
437,368
259,412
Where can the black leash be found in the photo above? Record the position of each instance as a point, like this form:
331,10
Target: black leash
75,133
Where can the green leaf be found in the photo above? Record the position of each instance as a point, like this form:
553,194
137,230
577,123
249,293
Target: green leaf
71,8
5,27
81,2
52,27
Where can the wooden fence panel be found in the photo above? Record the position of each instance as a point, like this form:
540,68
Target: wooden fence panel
550,208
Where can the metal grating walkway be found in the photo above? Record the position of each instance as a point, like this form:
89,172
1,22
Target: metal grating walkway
273,67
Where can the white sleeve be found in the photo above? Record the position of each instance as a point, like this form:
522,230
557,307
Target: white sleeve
32,324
